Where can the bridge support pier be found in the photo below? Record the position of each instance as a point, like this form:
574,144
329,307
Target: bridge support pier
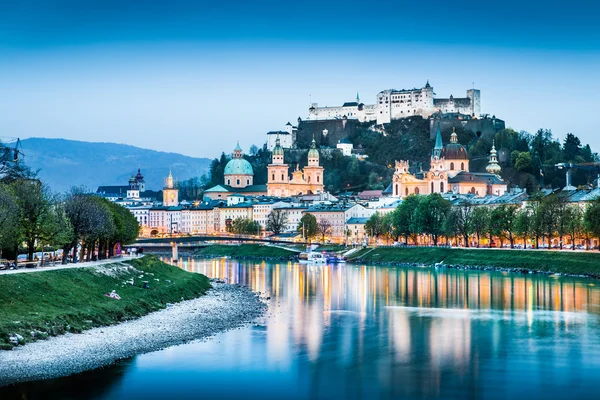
175,251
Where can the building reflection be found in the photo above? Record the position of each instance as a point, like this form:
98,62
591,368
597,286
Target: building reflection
414,330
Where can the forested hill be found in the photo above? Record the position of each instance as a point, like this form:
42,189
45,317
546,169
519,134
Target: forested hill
65,163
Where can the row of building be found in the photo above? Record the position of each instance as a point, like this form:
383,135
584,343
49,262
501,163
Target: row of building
302,192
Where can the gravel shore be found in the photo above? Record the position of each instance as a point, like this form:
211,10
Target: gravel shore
224,307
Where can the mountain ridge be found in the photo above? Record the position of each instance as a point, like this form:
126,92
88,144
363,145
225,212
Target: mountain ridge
63,163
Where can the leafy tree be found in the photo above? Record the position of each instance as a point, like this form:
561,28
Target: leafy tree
244,226
480,222
502,223
463,220
451,224
277,221
523,225
523,162
430,216
572,148
374,226
308,226
9,218
387,224
592,218
573,222
33,200
404,216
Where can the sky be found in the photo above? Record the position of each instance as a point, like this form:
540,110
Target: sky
194,77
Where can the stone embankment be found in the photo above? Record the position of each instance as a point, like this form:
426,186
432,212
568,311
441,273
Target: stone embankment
224,307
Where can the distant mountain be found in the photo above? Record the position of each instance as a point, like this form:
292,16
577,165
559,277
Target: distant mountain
64,163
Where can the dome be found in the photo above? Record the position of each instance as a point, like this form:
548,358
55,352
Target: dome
455,151
238,166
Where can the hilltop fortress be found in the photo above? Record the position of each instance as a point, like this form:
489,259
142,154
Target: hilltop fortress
395,104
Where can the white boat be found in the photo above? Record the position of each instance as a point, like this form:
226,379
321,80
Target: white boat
312,258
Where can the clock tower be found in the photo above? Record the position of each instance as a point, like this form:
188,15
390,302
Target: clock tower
170,192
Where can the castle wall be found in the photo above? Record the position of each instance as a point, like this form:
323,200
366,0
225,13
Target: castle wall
484,127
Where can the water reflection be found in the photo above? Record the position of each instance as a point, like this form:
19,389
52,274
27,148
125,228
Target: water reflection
375,332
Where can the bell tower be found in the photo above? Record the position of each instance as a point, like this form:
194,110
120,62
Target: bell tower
170,192
313,172
278,177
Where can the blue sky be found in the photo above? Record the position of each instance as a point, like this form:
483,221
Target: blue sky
194,77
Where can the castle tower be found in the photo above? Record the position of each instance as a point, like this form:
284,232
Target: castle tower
170,192
313,172
278,177
493,167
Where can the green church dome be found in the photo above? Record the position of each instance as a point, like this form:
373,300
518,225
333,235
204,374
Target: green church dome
238,166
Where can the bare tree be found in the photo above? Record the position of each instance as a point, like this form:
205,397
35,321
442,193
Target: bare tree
276,221
323,228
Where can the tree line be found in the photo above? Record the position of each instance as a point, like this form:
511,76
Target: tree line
33,218
432,219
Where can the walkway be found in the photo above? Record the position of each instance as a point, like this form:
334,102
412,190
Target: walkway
61,266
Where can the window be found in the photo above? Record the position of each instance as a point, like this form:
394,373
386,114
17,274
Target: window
229,181
238,182
451,166
431,187
273,177
396,189
441,187
282,177
247,181
416,190
317,178
406,191
462,166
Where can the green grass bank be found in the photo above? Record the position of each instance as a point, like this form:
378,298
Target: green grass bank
563,262
49,303
244,251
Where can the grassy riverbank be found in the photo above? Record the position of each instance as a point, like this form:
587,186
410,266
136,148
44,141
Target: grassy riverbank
36,305
565,262
245,251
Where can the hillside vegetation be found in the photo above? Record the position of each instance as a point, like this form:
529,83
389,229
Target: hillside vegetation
48,303
573,263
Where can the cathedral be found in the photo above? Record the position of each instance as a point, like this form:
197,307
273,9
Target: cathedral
306,181
449,172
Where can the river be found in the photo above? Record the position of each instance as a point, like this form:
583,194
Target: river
364,332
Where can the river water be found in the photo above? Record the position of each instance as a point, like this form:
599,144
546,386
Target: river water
364,332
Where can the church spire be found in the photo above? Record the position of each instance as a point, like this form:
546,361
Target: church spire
437,150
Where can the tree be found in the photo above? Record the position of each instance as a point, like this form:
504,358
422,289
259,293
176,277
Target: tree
277,221
480,222
573,223
404,217
502,223
592,218
9,218
33,200
374,226
451,225
323,228
523,225
463,220
387,225
430,216
308,226
523,162
244,226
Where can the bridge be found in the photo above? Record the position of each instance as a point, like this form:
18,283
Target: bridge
194,242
